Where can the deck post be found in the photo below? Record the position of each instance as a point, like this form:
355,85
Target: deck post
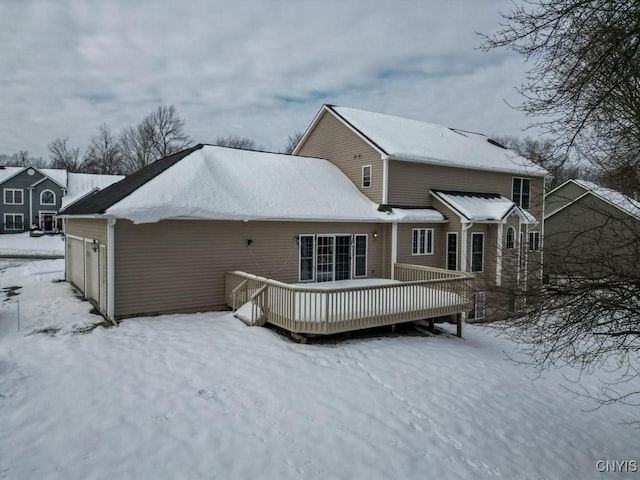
459,325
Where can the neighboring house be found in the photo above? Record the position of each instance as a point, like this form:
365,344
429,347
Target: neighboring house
590,232
31,197
392,199
493,198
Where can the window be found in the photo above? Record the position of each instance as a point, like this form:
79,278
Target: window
13,196
534,241
13,221
422,243
479,306
452,251
360,257
477,252
366,176
511,237
521,192
47,197
306,257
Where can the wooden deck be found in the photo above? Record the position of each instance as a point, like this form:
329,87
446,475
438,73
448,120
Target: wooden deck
326,308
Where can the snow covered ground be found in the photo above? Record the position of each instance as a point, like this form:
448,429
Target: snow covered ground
204,396
22,244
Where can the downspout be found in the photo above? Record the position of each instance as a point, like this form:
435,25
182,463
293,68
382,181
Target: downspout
111,264
385,179
394,249
499,234
466,225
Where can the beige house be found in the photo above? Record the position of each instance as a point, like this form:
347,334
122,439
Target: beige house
591,232
374,220
493,198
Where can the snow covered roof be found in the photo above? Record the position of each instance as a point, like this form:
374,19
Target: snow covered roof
81,184
416,141
220,183
481,207
615,198
57,175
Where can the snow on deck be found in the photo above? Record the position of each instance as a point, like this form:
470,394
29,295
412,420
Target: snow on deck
418,141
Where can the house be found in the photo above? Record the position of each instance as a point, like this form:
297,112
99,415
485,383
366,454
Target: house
590,232
493,198
31,197
352,231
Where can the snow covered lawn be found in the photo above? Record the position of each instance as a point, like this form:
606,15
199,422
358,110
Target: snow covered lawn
22,244
204,396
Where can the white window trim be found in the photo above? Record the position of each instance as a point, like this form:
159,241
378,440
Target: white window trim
370,176
14,221
506,238
522,180
427,251
313,257
4,196
366,255
52,193
447,252
483,251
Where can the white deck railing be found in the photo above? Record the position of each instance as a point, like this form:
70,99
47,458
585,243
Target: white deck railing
422,293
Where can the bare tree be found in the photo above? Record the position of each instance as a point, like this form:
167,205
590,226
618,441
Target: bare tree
103,154
161,133
292,142
584,89
64,157
544,152
585,80
23,159
236,141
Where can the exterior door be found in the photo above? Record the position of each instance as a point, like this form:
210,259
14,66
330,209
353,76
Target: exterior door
333,257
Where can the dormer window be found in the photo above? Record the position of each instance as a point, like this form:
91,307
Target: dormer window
47,197
366,176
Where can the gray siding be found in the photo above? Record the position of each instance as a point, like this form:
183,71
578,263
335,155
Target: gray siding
179,266
333,140
87,228
409,184
562,196
592,238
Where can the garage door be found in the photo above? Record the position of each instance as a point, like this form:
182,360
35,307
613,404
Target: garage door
92,271
75,264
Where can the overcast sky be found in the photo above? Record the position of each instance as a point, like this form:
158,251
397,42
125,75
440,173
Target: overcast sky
260,69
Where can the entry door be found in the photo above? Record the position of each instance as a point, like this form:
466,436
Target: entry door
333,260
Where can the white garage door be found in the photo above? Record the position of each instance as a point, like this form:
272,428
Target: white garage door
92,272
75,263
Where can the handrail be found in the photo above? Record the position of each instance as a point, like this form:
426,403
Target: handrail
322,310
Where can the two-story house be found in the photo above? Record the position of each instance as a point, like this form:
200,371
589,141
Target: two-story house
402,211
32,197
492,197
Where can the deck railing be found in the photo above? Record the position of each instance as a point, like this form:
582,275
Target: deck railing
323,309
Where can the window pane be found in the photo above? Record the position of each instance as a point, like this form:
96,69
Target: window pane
306,257
7,196
422,240
452,251
361,256
47,198
17,196
429,241
526,183
476,252
414,248
515,194
511,233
